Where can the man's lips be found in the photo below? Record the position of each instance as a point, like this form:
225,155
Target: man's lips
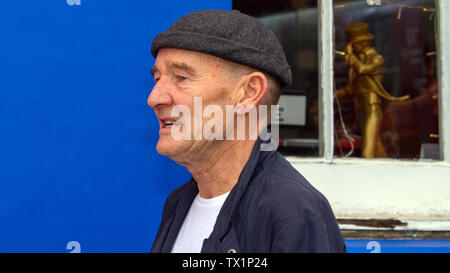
169,122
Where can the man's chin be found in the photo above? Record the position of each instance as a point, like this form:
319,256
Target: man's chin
165,151
168,148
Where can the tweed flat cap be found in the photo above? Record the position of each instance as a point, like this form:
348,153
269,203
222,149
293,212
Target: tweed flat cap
229,35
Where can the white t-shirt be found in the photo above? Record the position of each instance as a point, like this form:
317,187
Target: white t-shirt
198,224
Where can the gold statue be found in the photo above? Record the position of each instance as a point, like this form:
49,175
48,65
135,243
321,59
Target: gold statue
365,76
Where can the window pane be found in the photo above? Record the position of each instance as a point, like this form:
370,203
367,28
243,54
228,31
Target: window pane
294,22
385,53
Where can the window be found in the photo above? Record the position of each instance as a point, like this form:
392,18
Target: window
295,25
387,91
373,113
412,182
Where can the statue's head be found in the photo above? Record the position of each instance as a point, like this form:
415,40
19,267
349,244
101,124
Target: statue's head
358,34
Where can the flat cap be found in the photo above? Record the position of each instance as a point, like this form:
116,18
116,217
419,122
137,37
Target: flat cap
229,35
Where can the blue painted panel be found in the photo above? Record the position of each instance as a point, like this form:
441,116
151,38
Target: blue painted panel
398,246
77,139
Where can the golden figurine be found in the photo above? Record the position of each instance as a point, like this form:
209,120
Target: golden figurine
365,76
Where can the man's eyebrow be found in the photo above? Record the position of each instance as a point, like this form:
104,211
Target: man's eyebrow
183,66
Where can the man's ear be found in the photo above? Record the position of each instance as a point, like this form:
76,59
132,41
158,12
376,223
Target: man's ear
253,89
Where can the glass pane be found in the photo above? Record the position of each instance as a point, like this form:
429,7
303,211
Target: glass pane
294,22
386,98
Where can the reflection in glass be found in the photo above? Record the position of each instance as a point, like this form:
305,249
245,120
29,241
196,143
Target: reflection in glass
385,77
295,23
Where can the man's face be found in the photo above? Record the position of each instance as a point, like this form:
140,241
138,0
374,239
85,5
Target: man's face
360,46
180,75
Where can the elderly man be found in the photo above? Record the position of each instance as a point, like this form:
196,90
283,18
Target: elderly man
241,198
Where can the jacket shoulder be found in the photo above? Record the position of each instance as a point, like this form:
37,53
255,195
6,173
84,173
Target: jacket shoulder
289,194
301,217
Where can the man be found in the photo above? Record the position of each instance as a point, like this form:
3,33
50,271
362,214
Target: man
365,76
240,198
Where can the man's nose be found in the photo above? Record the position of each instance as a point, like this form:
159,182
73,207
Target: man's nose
160,95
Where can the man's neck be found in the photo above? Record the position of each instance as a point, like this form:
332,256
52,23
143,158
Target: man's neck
218,172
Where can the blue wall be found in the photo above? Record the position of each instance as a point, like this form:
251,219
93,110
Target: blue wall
77,139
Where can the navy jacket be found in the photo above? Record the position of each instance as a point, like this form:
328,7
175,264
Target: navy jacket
272,208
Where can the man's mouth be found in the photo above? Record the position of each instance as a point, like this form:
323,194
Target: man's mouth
170,123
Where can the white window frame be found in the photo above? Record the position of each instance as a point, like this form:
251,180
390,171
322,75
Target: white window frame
380,188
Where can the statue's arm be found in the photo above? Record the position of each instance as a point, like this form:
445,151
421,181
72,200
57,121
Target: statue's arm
373,66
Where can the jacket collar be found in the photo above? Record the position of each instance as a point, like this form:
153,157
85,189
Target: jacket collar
223,222
177,215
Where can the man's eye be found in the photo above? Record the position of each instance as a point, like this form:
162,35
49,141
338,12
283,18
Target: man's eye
181,78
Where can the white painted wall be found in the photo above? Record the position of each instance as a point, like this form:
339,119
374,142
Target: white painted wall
404,190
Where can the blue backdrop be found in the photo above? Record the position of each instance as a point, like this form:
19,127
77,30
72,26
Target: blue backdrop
77,139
